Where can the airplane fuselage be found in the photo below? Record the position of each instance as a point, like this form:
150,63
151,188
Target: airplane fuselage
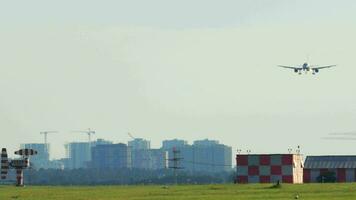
305,67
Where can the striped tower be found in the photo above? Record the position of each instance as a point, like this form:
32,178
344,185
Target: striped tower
264,168
4,163
24,163
19,177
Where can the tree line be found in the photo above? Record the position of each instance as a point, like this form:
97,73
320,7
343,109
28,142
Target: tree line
89,176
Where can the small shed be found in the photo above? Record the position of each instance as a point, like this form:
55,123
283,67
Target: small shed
338,168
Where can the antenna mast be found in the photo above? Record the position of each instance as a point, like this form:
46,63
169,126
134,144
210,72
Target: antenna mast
176,161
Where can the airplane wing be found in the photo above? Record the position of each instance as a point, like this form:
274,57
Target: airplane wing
323,67
289,67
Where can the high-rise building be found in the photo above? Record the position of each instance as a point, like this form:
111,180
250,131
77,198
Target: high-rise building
203,155
206,142
41,160
101,141
209,155
140,155
111,156
159,159
145,158
139,143
170,144
78,154
149,159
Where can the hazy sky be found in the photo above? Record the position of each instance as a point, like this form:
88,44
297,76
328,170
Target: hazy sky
164,69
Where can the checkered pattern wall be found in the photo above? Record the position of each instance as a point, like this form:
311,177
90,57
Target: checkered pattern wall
268,168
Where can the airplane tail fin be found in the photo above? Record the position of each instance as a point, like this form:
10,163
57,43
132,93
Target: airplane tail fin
4,163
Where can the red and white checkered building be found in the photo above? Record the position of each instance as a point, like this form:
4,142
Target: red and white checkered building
269,168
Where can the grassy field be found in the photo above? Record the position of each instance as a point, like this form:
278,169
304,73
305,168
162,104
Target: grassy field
213,192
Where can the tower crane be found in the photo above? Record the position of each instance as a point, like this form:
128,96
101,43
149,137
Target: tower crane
89,132
45,133
130,135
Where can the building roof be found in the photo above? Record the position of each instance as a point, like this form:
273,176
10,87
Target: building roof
330,162
265,154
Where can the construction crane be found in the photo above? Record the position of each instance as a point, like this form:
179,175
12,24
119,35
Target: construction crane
89,132
130,135
45,133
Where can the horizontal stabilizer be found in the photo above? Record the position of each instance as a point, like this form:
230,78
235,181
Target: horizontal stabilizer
26,152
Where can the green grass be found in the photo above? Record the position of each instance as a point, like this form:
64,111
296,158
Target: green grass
211,192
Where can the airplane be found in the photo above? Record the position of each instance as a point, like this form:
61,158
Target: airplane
18,164
306,68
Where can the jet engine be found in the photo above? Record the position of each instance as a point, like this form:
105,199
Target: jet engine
315,71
